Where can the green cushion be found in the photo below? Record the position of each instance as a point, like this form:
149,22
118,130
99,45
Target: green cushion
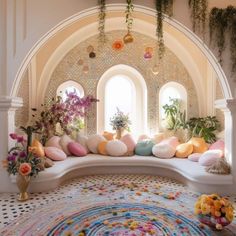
144,148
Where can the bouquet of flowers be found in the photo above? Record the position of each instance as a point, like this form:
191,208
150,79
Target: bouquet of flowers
61,117
20,160
214,211
120,121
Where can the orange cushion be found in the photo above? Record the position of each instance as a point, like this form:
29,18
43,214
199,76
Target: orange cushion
184,150
108,136
199,145
37,148
102,147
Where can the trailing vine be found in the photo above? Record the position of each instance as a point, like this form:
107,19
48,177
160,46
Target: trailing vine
162,7
222,22
199,14
128,38
101,22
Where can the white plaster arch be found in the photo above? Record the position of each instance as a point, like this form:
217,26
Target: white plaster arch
141,95
116,7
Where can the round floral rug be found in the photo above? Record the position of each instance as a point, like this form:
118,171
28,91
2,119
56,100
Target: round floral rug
117,205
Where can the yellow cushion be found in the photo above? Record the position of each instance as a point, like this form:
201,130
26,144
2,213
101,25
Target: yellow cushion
199,145
184,150
37,148
108,136
102,147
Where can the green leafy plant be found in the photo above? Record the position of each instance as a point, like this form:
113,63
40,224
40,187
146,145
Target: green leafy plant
204,127
198,14
101,21
128,16
120,120
162,7
222,22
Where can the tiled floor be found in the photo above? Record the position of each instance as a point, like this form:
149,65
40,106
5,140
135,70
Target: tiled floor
10,208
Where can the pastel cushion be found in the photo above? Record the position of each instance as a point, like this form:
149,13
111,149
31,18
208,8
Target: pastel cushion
108,136
199,145
37,148
143,137
77,149
209,157
54,141
218,145
129,141
157,138
184,150
82,139
173,141
55,154
64,141
102,147
144,148
163,150
116,148
194,156
93,142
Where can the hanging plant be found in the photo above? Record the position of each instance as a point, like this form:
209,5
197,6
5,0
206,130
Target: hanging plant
162,7
199,14
128,38
222,22
101,22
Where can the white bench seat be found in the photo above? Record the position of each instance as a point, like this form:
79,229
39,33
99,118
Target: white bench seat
190,173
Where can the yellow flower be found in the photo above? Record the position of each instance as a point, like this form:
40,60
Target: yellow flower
229,215
217,214
217,204
206,209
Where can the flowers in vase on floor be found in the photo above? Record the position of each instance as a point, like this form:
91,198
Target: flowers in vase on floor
20,160
120,121
61,117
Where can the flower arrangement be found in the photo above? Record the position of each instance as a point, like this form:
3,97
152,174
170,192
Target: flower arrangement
19,160
214,210
63,116
120,121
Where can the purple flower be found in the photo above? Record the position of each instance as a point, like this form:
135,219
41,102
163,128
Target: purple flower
20,139
22,154
13,136
11,158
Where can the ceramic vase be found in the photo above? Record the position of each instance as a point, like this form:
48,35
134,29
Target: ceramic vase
22,183
119,133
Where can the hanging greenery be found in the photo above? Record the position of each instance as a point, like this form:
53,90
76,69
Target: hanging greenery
128,38
162,7
222,22
199,14
101,23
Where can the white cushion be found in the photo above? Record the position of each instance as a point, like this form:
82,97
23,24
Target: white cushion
93,142
194,156
209,157
82,139
116,148
64,141
163,150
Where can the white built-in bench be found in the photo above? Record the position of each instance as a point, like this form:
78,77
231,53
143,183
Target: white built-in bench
190,173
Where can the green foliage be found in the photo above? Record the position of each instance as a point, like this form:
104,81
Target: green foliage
162,7
222,22
128,16
120,120
101,21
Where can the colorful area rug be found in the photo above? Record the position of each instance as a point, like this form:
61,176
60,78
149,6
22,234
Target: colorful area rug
118,205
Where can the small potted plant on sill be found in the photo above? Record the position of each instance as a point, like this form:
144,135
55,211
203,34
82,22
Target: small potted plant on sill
120,122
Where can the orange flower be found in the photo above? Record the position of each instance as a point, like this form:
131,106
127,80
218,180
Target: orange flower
25,169
118,45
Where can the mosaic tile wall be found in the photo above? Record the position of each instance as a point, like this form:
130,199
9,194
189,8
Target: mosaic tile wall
133,55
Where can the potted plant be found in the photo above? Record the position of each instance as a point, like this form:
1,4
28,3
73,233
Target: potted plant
120,122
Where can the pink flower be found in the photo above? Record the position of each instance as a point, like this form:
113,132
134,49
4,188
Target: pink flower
25,169
13,136
20,139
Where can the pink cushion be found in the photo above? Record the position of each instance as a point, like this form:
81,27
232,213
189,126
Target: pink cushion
55,154
209,157
54,141
163,150
64,141
194,157
143,137
82,139
77,149
173,141
129,142
218,145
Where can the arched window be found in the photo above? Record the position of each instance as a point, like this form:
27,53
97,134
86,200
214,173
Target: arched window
124,88
68,87
172,90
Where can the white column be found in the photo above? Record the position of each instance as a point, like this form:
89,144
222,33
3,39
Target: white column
228,106
8,106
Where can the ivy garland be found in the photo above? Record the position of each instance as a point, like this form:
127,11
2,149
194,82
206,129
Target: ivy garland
162,7
129,10
222,22
199,14
101,22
